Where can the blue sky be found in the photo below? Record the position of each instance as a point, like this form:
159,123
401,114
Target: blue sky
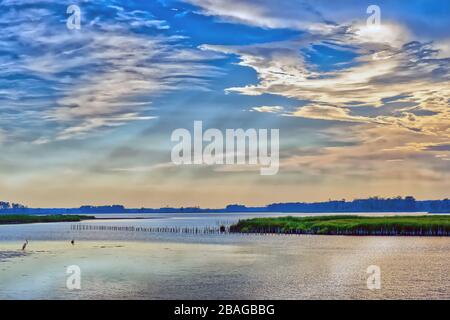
86,115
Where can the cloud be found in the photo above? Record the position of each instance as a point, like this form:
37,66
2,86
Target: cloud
104,75
379,72
324,16
444,48
139,18
268,109
367,159
390,89
94,123
439,147
327,113
289,14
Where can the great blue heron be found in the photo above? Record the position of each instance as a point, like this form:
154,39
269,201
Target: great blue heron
24,245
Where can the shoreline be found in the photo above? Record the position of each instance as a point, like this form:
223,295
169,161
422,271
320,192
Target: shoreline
29,219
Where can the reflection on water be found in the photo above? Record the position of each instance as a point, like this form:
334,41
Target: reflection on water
137,265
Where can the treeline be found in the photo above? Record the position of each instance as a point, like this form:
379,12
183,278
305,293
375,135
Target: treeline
374,204
21,209
8,205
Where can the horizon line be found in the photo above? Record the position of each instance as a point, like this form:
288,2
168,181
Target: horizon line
22,206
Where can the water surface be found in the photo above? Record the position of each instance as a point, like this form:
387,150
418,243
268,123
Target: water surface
139,265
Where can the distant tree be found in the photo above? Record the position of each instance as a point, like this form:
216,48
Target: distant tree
4,205
18,206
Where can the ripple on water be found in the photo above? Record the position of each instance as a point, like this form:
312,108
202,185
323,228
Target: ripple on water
5,255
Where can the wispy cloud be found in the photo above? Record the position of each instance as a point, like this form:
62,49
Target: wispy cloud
289,14
404,82
268,109
101,76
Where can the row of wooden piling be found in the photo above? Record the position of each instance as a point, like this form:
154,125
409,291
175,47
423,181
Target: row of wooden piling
262,231
183,230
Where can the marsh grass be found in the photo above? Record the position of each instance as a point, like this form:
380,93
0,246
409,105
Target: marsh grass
19,219
348,225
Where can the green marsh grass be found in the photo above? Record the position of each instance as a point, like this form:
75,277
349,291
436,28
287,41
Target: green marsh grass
19,219
431,225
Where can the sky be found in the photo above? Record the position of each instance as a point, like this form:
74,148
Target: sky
86,115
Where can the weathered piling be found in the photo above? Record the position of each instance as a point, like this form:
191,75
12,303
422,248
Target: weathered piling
169,229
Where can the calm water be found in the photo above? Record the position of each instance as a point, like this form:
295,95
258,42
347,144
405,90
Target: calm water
139,265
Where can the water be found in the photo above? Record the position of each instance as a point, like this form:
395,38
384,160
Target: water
141,265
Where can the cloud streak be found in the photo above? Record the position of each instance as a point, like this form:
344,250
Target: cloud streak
103,75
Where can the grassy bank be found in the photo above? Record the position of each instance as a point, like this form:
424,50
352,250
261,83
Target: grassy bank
19,219
348,225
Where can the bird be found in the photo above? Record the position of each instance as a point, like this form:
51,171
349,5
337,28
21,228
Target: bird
72,242
24,245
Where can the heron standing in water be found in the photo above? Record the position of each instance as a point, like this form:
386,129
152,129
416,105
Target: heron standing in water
25,245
